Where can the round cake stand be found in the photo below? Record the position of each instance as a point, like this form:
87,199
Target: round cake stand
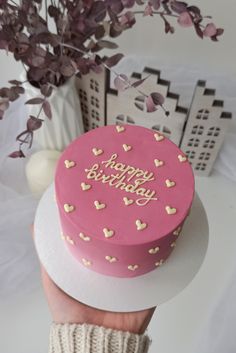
120,294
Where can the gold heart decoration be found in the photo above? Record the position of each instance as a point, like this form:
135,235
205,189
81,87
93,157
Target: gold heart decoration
182,158
158,137
87,262
159,263
127,201
69,164
158,163
69,240
153,251
120,128
170,210
97,151
170,183
140,225
133,267
84,237
99,205
177,231
111,258
63,237
68,208
108,232
126,147
85,186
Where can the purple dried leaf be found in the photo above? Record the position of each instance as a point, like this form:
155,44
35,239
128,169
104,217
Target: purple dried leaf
185,20
157,98
128,3
36,100
18,89
4,44
47,110
17,154
155,4
107,44
98,11
35,74
219,32
150,104
47,38
115,6
210,30
53,11
198,31
46,90
115,30
15,82
114,59
121,82
139,82
67,70
148,11
4,104
37,61
12,95
142,2
34,123
83,67
195,10
1,114
99,32
127,19
168,27
8,93
179,6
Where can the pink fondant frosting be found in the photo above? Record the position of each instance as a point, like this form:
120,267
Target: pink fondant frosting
123,193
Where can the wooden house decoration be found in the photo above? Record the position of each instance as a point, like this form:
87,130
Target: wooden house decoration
92,92
129,106
205,129
199,132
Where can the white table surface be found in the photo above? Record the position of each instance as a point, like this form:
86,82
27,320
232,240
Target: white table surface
176,325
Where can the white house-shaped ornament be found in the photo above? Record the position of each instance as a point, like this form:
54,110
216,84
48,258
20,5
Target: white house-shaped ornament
129,106
205,130
199,132
92,90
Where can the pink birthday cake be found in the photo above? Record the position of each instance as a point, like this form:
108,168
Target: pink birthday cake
123,194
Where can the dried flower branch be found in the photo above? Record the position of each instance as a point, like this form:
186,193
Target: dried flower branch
49,56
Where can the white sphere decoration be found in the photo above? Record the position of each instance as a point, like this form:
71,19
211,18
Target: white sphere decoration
40,170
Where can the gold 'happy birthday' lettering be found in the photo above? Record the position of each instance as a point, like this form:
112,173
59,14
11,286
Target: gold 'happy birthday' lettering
122,179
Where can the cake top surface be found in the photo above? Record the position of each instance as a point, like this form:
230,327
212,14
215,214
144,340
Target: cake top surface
125,184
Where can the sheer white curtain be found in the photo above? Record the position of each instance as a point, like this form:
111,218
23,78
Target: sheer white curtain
18,261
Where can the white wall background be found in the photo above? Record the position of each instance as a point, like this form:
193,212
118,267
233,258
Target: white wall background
147,37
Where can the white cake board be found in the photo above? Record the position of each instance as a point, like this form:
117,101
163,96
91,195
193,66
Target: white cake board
120,294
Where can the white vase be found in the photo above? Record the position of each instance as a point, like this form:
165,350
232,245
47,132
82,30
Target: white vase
66,123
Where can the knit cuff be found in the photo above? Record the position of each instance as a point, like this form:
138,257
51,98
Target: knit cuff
73,338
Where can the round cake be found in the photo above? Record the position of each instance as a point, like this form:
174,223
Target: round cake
123,193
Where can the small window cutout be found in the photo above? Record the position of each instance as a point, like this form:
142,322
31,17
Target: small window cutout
193,142
213,131
202,114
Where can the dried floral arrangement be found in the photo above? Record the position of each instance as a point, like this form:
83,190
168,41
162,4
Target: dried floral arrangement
53,51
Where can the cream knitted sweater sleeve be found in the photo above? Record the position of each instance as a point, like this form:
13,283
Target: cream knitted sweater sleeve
73,338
